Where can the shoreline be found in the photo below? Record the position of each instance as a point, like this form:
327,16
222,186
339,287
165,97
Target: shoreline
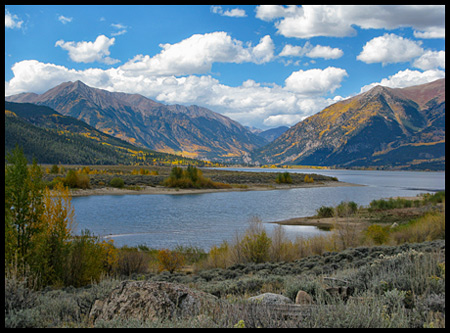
329,222
160,190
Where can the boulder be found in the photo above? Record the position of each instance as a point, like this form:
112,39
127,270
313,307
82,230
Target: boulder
270,299
146,300
303,298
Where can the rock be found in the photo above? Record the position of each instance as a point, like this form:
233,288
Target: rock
342,292
303,298
146,300
270,299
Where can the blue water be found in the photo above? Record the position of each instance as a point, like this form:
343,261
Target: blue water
204,220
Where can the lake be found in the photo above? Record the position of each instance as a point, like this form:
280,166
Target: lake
204,220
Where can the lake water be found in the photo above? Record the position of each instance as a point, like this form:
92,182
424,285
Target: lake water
204,220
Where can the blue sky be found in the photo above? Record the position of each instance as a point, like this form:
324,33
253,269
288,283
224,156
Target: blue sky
264,66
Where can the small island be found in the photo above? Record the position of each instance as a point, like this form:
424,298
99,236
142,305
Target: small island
121,180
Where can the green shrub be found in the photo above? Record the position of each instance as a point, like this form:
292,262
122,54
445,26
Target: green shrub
76,180
325,211
284,178
378,234
117,182
346,208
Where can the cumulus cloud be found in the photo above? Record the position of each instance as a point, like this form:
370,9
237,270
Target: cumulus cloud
428,21
430,60
196,54
311,51
407,78
87,52
235,12
316,81
12,21
271,12
390,48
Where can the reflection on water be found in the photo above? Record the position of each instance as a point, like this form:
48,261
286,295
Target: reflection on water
205,220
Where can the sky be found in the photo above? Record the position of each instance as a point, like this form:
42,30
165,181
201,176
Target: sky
263,66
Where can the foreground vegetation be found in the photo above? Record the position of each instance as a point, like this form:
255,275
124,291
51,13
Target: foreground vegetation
396,272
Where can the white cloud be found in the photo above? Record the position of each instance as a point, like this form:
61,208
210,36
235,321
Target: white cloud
325,52
121,29
271,12
283,120
310,51
12,21
64,19
250,103
292,51
315,81
430,60
235,12
196,54
390,48
87,52
308,21
407,78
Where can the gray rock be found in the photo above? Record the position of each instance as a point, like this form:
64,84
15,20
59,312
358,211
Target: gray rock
270,299
145,300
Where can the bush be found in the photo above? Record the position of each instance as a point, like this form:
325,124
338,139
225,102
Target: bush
131,261
308,179
378,234
325,211
76,180
170,260
86,260
117,182
255,245
284,178
346,208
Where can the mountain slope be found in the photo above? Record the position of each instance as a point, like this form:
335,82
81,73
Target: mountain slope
382,127
53,138
190,131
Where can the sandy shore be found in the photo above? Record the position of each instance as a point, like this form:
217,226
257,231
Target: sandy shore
166,190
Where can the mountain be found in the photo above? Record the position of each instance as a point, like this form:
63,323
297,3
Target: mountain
381,128
52,138
191,131
273,133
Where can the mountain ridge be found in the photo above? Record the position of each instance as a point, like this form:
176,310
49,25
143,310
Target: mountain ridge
192,131
366,130
53,138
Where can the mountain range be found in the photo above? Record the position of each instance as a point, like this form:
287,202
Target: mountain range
192,131
52,138
381,128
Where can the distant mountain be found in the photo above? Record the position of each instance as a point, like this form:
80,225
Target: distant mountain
52,138
381,128
273,133
191,131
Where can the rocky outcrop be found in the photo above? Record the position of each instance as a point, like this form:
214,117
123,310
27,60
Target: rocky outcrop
145,300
